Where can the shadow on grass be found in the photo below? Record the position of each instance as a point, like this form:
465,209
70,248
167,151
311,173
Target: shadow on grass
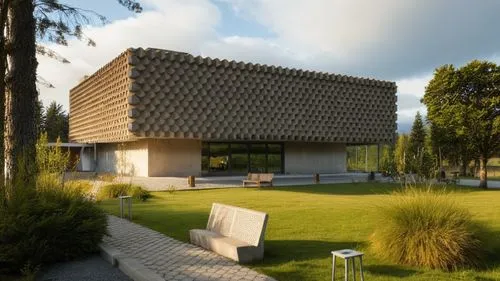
282,251
389,270
295,259
341,188
300,253
369,188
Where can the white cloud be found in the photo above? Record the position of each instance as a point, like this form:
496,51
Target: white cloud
390,39
386,39
177,25
410,91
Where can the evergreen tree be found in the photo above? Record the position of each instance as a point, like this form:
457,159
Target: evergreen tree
56,123
419,154
417,137
21,23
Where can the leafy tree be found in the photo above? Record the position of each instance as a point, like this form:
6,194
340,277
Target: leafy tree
22,22
458,150
465,102
51,160
387,163
56,123
400,154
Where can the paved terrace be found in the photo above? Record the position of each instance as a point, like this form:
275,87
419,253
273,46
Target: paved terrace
154,256
180,183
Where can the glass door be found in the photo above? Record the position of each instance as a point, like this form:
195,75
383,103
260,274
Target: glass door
275,158
239,158
258,159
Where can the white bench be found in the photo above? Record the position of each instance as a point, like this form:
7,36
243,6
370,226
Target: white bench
233,232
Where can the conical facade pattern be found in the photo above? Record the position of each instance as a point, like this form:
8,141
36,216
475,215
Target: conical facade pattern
152,93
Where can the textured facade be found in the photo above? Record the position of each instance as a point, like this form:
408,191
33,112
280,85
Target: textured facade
163,113
98,105
164,94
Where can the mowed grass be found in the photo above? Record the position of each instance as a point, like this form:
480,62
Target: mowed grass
306,223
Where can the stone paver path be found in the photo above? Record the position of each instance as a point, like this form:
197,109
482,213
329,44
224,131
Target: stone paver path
172,259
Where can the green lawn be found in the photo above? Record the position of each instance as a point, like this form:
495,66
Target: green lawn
306,223
490,178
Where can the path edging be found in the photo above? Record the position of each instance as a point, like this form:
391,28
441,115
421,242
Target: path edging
131,267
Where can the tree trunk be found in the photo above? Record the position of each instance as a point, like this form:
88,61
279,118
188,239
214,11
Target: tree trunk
483,174
3,69
21,99
477,164
463,168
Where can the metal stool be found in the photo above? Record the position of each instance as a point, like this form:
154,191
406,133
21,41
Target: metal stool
129,199
347,255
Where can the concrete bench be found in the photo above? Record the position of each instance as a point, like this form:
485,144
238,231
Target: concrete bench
259,179
233,232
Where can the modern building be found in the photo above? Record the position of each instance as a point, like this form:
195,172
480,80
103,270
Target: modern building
155,112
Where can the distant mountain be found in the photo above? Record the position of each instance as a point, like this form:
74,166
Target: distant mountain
404,127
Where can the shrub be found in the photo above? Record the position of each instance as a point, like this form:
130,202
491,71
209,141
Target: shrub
47,181
51,159
83,187
427,228
39,227
121,189
138,192
107,177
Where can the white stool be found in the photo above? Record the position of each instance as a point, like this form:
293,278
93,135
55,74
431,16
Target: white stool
129,199
347,255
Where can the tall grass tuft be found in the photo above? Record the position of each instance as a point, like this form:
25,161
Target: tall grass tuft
118,189
427,228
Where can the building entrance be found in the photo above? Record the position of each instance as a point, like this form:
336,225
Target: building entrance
239,158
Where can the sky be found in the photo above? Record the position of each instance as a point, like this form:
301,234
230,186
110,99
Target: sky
394,40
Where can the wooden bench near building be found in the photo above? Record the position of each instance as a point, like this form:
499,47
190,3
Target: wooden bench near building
233,232
259,179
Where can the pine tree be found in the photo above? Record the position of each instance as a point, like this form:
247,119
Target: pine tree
21,23
420,157
56,123
417,136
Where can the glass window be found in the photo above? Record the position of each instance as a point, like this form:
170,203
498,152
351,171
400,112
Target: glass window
219,158
205,157
274,158
239,158
258,158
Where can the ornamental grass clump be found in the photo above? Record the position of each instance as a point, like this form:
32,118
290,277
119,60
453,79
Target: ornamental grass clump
427,228
119,189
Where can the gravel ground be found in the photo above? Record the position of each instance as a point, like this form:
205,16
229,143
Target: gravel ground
91,269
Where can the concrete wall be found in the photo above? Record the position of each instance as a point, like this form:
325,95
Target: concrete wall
309,157
87,163
174,157
130,158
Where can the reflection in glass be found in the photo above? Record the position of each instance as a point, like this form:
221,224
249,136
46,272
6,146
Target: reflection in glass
204,157
239,158
274,158
219,157
258,158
